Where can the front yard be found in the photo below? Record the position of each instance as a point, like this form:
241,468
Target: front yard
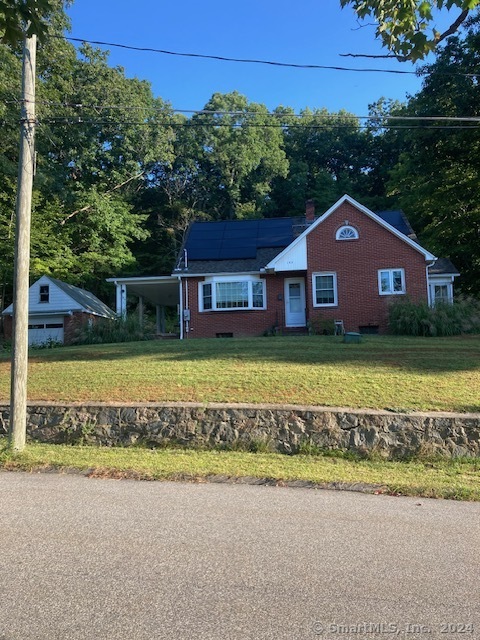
439,374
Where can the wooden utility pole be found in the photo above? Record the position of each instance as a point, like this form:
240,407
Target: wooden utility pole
26,165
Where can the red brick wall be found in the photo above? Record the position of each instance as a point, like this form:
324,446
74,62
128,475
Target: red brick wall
207,324
356,263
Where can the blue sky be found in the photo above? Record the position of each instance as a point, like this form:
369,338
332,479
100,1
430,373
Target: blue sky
305,32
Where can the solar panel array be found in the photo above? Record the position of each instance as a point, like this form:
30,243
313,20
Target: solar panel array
237,239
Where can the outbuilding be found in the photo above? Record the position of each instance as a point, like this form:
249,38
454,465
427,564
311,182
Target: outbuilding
55,310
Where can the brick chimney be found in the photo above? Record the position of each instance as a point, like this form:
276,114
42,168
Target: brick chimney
309,211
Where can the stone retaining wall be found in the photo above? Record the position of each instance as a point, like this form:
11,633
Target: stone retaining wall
280,428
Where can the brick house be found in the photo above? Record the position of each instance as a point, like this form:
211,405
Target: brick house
246,277
55,310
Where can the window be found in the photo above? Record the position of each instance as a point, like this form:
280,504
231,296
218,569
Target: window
347,232
324,289
44,293
391,281
220,294
441,293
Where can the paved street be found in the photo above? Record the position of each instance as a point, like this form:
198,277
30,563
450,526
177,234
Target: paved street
116,559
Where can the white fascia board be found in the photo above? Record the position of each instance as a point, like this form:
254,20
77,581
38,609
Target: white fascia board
140,280
346,198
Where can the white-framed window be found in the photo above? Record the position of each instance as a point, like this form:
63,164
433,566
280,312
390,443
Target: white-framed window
347,232
391,282
324,289
225,293
441,292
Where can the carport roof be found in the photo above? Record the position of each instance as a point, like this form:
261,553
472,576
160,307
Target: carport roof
159,290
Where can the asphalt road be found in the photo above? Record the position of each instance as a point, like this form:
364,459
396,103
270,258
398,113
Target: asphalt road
117,559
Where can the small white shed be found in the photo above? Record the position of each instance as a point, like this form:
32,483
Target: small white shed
52,307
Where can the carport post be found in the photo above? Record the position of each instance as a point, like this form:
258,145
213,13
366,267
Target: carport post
160,319
121,300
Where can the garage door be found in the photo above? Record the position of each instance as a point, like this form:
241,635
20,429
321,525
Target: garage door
43,331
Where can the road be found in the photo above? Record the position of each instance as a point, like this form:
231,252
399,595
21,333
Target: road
119,559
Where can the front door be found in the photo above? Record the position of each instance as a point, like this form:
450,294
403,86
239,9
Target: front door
295,302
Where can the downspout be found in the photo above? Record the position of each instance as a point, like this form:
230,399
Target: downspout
429,296
180,313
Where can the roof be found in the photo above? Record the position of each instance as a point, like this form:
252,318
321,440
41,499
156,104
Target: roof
85,299
443,266
234,246
247,246
398,219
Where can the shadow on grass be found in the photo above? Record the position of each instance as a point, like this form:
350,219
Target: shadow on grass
418,355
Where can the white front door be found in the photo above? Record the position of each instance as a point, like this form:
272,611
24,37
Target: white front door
295,302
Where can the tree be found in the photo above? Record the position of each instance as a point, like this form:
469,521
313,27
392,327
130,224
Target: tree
92,162
329,155
436,179
26,17
239,150
402,25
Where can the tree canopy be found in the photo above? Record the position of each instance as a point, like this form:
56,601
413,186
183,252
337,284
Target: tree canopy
404,26
26,17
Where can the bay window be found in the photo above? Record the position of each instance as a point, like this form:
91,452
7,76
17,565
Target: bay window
224,293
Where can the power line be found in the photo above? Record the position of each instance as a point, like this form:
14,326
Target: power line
61,120
273,63
327,116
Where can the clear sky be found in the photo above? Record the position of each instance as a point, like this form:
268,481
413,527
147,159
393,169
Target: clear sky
305,32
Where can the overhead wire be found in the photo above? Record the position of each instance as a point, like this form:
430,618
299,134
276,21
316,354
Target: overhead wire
274,63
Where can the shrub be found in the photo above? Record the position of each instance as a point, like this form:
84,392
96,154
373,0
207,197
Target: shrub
321,327
105,330
444,319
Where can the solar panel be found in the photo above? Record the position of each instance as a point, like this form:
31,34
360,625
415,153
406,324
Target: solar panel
238,239
237,253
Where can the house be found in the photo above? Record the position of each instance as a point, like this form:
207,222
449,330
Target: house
56,309
245,277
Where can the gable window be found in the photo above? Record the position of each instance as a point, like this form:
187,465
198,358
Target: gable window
324,289
220,294
44,293
347,232
391,281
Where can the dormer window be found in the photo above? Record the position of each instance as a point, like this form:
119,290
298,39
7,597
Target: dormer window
44,293
347,232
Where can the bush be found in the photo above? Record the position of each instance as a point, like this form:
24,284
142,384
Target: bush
321,327
444,319
104,330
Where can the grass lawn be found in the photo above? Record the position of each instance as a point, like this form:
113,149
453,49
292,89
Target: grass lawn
458,479
441,374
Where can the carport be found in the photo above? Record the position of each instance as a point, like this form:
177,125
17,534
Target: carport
160,291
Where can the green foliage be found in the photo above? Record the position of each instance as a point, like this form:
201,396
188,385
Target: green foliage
436,178
105,330
27,17
444,319
402,25
321,327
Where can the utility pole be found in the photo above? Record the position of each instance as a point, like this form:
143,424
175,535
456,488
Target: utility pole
26,166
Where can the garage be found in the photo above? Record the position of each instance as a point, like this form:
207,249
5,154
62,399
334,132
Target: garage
46,330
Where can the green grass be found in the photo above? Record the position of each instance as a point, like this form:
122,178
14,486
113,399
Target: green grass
457,479
441,374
